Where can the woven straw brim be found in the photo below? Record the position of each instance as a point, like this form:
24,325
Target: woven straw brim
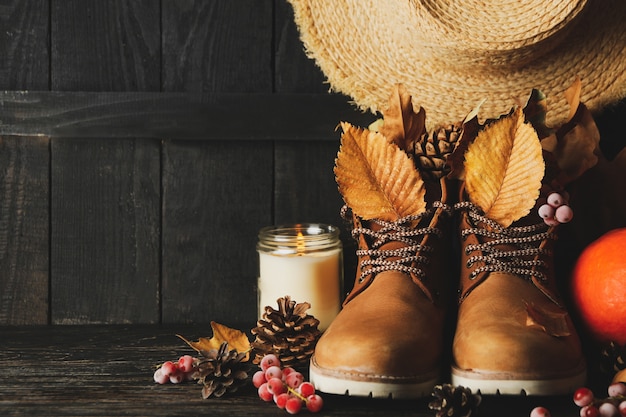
451,60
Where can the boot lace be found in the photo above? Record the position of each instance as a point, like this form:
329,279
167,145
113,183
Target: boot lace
405,259
523,261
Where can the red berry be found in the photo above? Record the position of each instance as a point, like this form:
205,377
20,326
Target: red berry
168,368
258,379
551,222
608,410
160,377
269,360
564,214
287,370
546,211
276,386
185,363
306,389
589,411
314,403
177,377
294,379
293,405
617,388
622,409
264,393
583,396
555,200
273,372
281,400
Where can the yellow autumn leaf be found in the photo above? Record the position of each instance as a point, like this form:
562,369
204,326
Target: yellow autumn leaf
503,169
402,124
376,178
236,339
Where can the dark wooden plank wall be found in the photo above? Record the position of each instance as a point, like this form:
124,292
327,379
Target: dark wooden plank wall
137,230
101,223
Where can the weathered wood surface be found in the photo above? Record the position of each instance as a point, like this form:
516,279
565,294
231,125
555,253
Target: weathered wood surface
184,116
24,230
107,371
105,222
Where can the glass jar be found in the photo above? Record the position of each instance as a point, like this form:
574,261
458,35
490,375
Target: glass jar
303,261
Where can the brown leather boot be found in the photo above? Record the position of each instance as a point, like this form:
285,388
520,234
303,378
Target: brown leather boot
513,335
387,341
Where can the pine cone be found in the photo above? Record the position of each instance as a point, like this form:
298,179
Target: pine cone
220,371
453,401
613,357
289,333
431,151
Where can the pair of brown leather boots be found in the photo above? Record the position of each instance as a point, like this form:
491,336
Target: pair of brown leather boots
502,326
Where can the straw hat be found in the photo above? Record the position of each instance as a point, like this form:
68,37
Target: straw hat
453,54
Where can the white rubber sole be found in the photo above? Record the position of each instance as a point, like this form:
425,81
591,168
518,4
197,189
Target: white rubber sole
369,386
489,383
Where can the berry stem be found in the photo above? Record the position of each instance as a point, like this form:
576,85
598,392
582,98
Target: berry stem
616,400
296,393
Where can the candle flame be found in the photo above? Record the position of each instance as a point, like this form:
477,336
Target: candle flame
300,243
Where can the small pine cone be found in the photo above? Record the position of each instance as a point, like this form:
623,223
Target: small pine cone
453,401
220,371
289,333
431,151
613,357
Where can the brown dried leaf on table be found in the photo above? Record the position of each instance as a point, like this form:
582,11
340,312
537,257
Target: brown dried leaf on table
504,168
402,124
376,178
236,340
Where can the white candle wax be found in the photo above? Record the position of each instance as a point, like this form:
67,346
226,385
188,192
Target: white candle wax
311,277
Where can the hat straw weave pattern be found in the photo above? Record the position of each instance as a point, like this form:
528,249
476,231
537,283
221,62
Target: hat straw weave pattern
451,55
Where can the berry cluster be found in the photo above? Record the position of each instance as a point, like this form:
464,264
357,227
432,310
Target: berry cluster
285,386
612,406
554,210
175,372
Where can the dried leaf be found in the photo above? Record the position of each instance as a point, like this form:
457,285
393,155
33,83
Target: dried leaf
572,95
469,130
236,340
576,142
504,168
535,112
376,178
553,323
402,124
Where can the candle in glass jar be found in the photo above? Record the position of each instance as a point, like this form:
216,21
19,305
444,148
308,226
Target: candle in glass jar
303,261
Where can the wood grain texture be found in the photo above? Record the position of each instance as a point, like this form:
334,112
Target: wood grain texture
24,45
305,189
211,116
24,254
294,72
107,371
105,228
217,46
216,197
105,45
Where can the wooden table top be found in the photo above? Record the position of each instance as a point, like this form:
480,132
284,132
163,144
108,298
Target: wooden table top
106,370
